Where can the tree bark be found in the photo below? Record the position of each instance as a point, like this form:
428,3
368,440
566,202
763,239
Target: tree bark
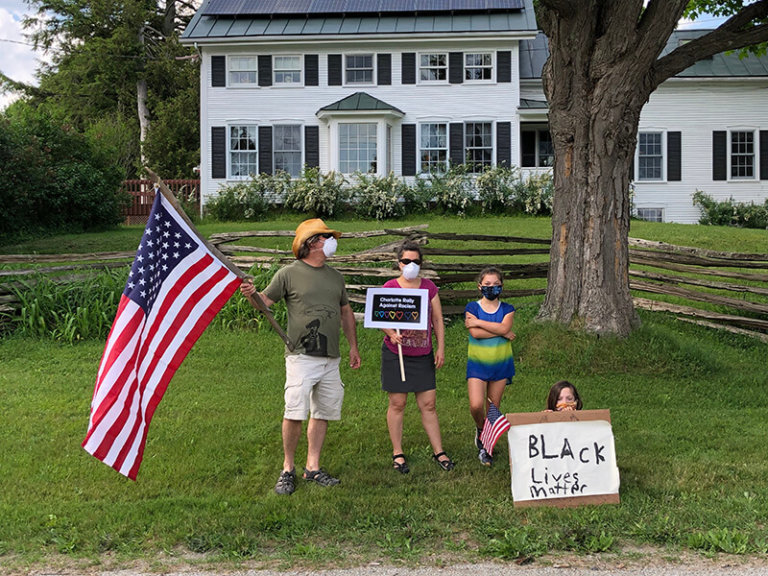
604,64
596,81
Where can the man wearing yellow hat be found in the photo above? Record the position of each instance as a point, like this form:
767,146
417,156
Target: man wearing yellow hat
317,304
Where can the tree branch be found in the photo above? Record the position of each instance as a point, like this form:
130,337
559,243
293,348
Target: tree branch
562,7
735,33
656,24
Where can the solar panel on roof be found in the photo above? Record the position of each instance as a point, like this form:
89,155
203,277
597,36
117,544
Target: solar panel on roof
327,6
320,7
294,6
360,6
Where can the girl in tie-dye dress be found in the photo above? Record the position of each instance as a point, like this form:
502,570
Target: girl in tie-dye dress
490,366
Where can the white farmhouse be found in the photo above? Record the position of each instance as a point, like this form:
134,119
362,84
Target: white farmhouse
409,86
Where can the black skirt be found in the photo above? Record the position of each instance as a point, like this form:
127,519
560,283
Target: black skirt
419,372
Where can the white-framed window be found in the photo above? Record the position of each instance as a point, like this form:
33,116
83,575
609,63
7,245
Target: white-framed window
286,148
358,69
650,156
537,148
357,147
478,145
243,151
433,67
433,148
743,155
478,66
243,70
286,70
650,214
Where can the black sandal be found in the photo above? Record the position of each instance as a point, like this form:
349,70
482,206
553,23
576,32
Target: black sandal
402,468
446,464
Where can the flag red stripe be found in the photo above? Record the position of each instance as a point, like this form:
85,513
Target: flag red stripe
149,394
155,340
104,398
197,330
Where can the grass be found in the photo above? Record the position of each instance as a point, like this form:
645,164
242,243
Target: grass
688,407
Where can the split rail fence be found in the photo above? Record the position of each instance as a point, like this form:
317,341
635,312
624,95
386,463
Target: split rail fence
727,291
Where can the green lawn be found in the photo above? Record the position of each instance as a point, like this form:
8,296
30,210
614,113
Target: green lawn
688,408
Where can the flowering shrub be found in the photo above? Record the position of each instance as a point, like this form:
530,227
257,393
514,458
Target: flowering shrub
453,191
379,197
496,190
245,200
320,194
534,195
730,213
496,187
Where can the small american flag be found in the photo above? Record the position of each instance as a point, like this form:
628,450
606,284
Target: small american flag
495,425
175,288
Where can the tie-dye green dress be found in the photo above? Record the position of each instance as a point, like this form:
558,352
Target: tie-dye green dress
490,359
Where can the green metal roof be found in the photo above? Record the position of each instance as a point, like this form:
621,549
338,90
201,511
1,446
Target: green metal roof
360,102
212,26
533,54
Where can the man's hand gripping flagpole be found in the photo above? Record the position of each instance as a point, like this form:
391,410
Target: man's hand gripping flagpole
258,303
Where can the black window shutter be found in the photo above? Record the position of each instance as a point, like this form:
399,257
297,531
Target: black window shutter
311,74
504,66
312,146
218,71
384,69
674,157
763,154
719,155
632,170
265,70
503,143
456,144
409,152
528,145
409,68
456,67
334,69
265,149
218,151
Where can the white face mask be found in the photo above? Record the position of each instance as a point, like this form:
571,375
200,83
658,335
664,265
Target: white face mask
411,271
329,247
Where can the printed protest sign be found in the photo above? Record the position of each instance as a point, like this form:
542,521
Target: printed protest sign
563,458
397,308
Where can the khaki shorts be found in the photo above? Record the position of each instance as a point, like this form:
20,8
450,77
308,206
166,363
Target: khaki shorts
313,386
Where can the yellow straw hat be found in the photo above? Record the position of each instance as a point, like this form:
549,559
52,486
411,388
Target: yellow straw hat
310,228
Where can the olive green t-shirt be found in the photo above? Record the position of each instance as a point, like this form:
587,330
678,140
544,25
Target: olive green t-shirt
313,297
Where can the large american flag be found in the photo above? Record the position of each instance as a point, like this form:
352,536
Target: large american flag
494,426
175,288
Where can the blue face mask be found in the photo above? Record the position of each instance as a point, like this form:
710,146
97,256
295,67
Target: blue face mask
491,292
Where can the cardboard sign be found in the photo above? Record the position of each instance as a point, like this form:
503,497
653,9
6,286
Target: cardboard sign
563,458
398,308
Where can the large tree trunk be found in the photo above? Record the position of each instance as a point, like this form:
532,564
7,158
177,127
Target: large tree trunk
596,85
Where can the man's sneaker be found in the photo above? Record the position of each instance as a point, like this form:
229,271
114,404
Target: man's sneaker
286,484
320,477
484,457
478,443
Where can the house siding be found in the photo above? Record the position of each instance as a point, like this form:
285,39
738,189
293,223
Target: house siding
298,104
697,109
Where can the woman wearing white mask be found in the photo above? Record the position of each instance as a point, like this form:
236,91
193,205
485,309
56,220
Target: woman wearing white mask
420,361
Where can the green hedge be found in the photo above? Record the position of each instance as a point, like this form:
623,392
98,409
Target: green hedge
54,179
